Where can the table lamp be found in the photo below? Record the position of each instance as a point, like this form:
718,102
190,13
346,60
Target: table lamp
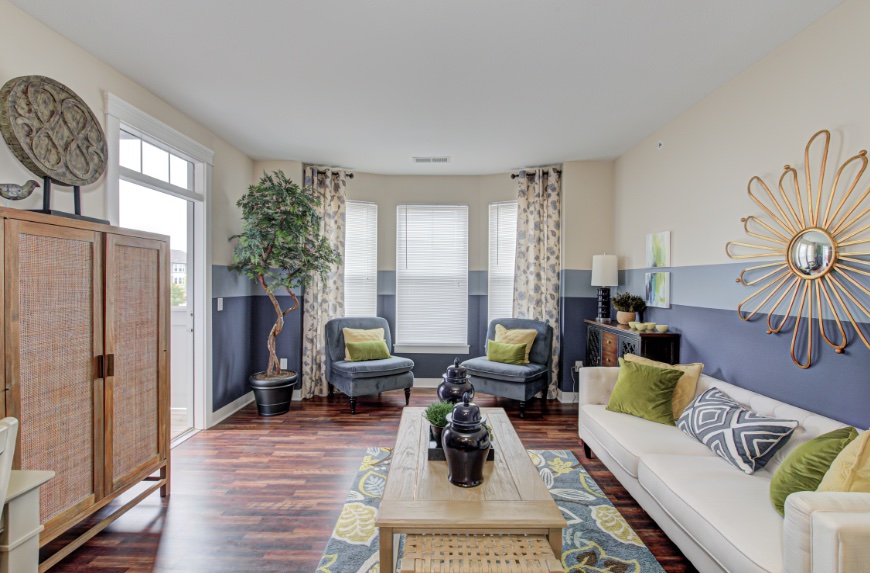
604,275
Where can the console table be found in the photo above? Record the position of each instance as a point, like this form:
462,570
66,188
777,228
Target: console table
607,342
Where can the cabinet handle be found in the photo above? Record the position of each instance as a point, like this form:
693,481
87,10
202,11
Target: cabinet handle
110,365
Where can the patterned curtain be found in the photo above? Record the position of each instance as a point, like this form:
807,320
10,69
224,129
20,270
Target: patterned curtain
323,299
539,237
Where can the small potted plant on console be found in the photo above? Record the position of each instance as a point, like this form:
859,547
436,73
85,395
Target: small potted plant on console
627,306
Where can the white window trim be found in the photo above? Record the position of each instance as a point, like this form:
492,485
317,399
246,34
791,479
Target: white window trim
120,114
431,349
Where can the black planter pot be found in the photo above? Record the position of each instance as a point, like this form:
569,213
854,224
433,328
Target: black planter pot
435,434
273,395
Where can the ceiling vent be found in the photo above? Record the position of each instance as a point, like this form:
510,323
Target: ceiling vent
438,159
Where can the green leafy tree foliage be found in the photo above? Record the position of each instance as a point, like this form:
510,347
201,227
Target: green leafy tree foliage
178,295
281,244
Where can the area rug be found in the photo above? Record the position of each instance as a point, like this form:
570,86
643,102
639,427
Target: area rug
597,539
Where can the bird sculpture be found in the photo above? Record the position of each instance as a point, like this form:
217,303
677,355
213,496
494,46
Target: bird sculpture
13,192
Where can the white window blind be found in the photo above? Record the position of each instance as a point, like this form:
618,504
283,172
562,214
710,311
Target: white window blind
361,259
432,278
502,254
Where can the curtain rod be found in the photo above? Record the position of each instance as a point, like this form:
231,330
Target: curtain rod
322,169
515,175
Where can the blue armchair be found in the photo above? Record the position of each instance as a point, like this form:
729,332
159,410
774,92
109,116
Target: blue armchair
516,381
368,377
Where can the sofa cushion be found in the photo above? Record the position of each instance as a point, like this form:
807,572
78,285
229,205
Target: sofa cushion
745,439
804,469
525,336
521,373
627,438
373,368
360,335
851,468
726,512
505,353
684,393
369,350
645,392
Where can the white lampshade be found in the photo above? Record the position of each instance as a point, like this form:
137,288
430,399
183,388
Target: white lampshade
604,271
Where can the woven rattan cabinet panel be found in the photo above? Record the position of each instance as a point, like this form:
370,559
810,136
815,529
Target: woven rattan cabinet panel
134,322
54,332
86,314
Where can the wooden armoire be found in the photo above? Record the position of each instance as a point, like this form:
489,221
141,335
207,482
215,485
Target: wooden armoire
86,363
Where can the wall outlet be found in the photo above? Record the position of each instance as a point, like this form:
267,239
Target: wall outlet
283,364
578,365
220,304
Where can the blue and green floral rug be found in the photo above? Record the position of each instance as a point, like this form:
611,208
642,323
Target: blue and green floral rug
597,539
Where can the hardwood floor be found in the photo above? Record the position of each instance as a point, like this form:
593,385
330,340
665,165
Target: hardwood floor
263,494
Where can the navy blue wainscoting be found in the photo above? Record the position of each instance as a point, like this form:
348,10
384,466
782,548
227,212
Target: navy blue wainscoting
742,353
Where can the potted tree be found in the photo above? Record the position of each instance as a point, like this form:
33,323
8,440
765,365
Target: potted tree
281,246
627,306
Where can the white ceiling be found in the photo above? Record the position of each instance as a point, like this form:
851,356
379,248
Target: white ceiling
494,84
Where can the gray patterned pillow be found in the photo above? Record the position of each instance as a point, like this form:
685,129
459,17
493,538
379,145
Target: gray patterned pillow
743,438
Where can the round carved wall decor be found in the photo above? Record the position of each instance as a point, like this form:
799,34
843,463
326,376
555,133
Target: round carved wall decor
52,131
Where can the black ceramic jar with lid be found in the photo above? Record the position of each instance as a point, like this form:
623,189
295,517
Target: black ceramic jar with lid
455,383
466,444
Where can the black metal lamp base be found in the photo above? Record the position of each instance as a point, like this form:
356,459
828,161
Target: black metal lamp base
603,305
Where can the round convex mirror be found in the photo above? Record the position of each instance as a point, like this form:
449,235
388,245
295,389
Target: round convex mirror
812,253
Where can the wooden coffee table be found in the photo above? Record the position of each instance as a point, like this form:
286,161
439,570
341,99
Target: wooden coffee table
418,498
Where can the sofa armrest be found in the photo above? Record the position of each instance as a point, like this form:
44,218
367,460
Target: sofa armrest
826,531
595,385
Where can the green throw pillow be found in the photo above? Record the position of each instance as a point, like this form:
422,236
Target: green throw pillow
645,392
370,350
805,467
505,353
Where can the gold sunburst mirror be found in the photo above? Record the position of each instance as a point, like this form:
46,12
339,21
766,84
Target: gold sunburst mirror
820,249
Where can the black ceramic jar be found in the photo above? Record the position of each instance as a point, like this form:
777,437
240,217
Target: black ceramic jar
455,383
466,444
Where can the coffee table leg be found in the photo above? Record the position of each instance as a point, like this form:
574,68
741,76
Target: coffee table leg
555,538
385,540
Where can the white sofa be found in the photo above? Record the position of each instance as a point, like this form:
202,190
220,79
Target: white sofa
721,518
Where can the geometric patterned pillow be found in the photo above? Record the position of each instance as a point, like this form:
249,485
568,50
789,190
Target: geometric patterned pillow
743,438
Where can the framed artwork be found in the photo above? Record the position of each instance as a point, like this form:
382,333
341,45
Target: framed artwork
658,249
657,290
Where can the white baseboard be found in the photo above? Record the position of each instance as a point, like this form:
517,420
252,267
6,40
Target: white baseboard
566,397
222,414
426,382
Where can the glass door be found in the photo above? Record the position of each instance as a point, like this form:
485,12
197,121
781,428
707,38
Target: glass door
146,209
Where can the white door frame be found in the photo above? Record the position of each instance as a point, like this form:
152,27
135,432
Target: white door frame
119,113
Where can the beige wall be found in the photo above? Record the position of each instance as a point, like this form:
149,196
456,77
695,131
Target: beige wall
31,48
695,186
587,212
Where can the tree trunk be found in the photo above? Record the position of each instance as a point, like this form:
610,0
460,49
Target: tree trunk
274,367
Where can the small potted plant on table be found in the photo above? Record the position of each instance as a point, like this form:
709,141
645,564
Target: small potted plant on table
436,414
627,306
281,246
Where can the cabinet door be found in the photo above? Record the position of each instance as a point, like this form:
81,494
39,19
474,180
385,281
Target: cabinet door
629,345
136,358
53,324
593,346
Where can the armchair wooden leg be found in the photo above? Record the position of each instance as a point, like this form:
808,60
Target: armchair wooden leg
331,390
523,409
407,396
353,406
